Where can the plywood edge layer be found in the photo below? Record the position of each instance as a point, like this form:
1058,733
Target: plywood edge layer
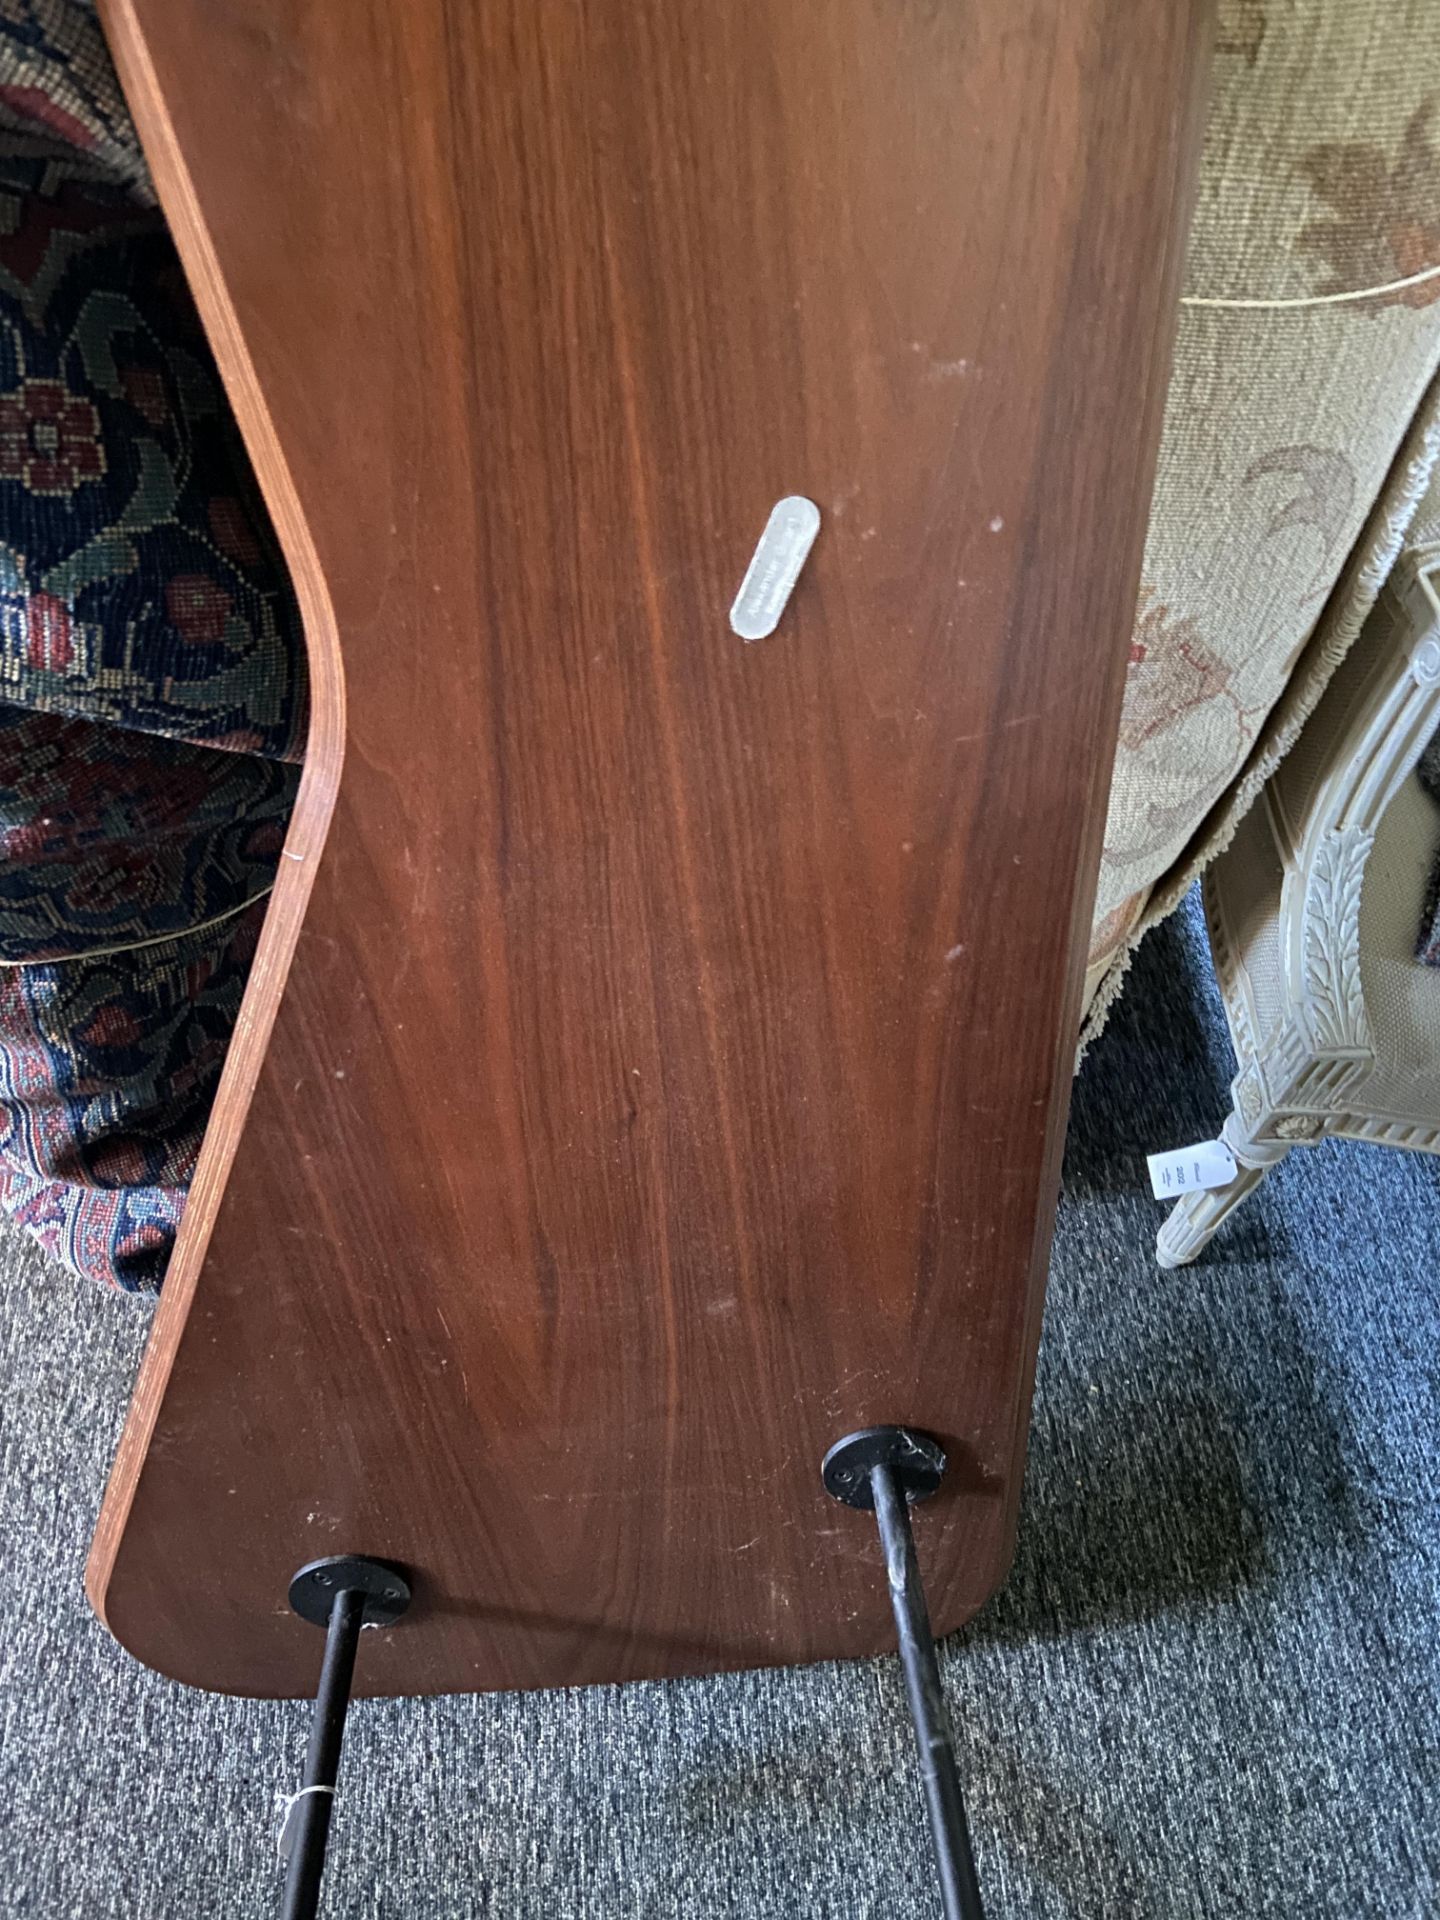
315,802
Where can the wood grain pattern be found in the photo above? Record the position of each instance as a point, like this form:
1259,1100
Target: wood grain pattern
673,1065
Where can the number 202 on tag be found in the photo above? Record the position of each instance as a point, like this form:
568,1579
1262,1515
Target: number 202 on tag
1190,1169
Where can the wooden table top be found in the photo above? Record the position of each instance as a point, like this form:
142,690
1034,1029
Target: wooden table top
673,1065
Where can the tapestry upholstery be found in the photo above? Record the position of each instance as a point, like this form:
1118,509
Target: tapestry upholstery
108,1067
140,581
62,114
109,837
1302,424
152,691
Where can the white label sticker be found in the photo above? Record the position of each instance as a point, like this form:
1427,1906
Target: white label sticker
1190,1169
788,537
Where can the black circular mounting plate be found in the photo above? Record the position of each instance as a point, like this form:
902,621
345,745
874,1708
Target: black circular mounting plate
315,1588
917,1460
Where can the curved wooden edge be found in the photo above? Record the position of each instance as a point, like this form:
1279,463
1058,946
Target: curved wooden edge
314,805
1183,165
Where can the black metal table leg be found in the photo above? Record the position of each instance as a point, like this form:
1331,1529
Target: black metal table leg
885,1469
342,1595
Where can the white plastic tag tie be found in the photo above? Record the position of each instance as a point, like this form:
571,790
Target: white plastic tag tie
285,1838
1190,1169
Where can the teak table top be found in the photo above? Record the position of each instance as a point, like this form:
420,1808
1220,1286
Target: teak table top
672,1067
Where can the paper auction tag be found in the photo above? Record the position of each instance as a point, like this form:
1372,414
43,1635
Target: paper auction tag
1190,1169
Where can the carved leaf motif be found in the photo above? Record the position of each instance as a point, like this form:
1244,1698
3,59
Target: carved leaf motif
1330,940
1249,1098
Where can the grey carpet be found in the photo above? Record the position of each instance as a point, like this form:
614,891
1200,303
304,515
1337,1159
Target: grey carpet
1210,1687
